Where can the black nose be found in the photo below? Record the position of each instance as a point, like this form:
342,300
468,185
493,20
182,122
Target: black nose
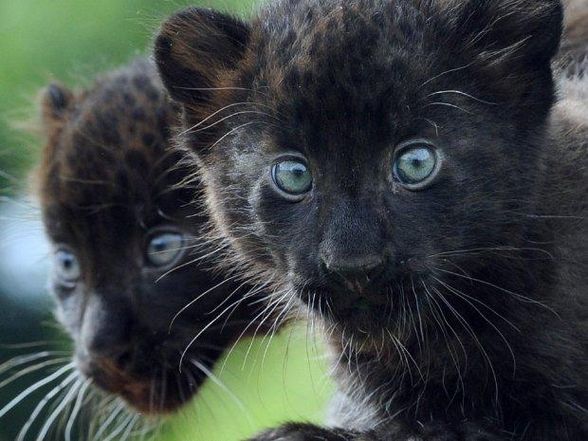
114,351
358,271
106,331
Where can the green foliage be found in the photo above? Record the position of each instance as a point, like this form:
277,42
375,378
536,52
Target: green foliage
261,384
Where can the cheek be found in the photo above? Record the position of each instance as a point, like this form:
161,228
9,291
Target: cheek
163,297
462,214
278,215
289,228
423,223
69,312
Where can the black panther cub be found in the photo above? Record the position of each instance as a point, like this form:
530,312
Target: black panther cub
395,165
126,225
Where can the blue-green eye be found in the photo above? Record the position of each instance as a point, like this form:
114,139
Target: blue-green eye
415,165
292,176
66,266
165,248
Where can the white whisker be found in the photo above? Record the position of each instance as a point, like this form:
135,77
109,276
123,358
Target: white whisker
453,106
220,384
244,103
76,410
112,417
23,359
232,115
175,317
68,398
125,423
35,387
459,92
41,405
31,369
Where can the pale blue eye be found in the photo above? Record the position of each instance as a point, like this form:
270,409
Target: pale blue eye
415,165
292,177
66,266
165,248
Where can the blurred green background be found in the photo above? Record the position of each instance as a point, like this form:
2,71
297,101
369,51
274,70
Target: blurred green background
71,41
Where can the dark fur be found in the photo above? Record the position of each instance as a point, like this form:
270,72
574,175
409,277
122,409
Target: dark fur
475,325
108,179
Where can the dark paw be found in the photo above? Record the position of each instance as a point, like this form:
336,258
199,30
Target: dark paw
307,432
466,432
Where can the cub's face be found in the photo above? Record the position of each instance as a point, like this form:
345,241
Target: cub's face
373,156
127,245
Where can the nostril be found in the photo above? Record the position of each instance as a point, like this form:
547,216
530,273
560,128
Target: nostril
106,344
117,359
123,359
107,350
364,267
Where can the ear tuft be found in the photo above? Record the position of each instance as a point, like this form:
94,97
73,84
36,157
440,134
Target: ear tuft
195,48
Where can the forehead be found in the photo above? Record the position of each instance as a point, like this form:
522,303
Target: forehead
353,70
114,165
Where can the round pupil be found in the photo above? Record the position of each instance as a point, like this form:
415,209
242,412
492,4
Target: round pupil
292,177
415,165
67,262
159,245
68,265
164,248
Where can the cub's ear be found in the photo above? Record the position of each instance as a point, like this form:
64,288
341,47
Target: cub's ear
55,101
510,44
195,48
508,32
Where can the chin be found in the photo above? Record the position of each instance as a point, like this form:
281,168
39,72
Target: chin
355,313
171,396
153,391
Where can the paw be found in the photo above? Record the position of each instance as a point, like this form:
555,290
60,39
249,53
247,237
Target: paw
281,434
466,432
307,432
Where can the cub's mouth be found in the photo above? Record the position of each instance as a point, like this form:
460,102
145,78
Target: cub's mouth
156,388
364,311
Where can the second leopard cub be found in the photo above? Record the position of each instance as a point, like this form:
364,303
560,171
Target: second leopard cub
126,225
